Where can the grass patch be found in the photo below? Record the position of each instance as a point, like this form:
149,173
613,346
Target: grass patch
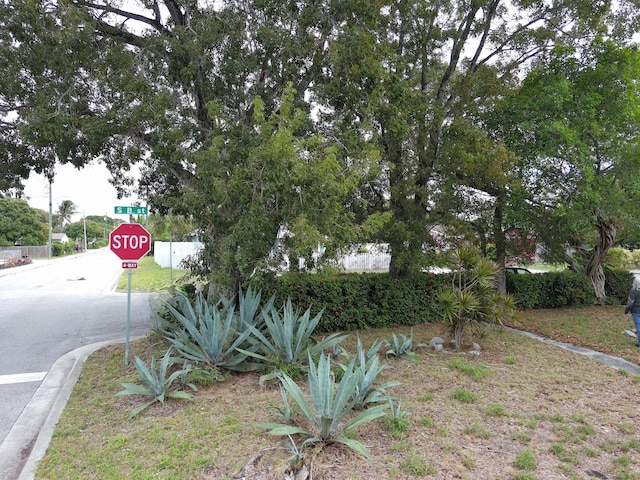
563,408
525,460
477,372
464,396
149,277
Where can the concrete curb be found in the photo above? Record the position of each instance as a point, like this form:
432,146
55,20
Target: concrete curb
30,436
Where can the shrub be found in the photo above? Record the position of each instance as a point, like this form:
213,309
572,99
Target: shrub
402,349
360,301
206,335
473,295
550,290
617,286
366,369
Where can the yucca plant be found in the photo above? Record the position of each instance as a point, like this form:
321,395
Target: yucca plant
207,335
473,296
286,343
404,348
330,411
156,382
366,369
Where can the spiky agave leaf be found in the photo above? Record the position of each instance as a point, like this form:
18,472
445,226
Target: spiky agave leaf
330,405
210,339
287,339
156,383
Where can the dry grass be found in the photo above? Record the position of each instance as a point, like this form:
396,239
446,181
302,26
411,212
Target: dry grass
539,412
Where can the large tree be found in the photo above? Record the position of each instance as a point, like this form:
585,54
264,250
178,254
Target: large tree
402,73
576,121
195,91
21,223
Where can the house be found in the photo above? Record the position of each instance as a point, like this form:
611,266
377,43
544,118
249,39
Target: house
59,238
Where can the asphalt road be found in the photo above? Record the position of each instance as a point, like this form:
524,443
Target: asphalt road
50,308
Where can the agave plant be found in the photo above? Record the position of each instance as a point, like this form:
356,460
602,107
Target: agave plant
397,420
329,413
156,382
208,335
286,344
366,369
404,348
248,308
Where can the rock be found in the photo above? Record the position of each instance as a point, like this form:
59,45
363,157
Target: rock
435,341
476,347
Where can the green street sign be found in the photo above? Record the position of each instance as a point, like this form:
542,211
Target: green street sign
131,210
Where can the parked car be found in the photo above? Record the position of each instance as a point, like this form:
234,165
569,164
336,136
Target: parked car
517,270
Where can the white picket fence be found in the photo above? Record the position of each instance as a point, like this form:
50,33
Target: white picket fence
365,262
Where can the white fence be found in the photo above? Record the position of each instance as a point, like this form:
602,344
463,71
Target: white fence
170,254
365,262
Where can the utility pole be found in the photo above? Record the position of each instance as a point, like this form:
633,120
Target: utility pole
50,217
84,219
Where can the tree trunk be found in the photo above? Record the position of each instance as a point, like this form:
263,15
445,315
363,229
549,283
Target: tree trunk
458,332
606,239
399,234
499,239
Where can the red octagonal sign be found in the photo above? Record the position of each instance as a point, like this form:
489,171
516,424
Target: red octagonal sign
130,241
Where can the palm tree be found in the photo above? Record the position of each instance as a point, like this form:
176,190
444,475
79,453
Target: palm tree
66,210
170,226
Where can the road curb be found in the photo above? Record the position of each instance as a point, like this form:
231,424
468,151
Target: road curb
31,434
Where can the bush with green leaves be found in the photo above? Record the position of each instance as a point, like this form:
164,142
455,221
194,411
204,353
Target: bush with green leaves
329,412
286,343
473,295
359,301
157,382
206,334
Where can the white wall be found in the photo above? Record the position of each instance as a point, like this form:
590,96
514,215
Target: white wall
171,258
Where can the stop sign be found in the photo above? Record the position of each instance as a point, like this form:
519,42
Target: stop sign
130,241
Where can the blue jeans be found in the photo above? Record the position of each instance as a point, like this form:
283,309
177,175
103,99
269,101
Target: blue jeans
636,321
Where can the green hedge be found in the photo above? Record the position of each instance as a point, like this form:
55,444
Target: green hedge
617,286
565,289
361,301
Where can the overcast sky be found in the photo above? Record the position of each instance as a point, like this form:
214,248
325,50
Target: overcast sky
89,189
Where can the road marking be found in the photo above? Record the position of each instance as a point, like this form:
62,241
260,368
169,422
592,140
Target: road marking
22,378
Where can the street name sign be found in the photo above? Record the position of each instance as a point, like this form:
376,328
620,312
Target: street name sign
131,210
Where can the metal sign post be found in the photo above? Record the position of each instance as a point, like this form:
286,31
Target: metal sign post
130,242
126,348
